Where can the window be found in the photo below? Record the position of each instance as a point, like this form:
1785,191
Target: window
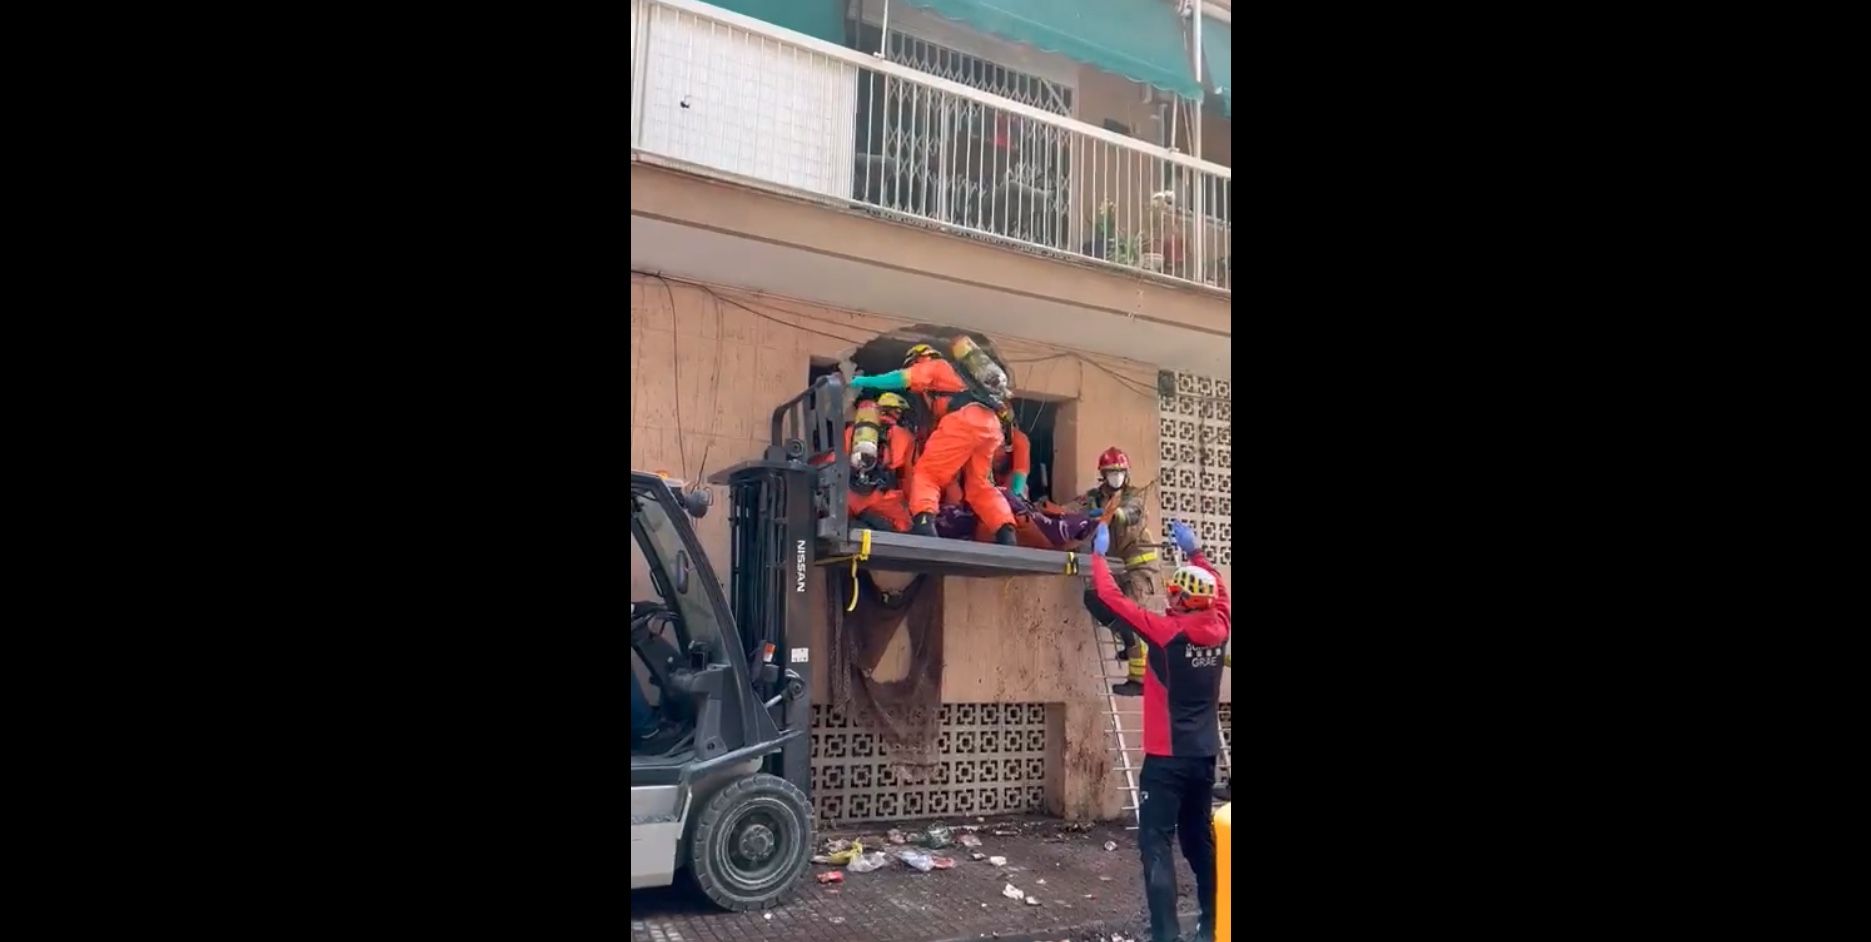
1035,417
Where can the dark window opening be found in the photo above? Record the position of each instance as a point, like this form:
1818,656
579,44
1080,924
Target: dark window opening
1035,417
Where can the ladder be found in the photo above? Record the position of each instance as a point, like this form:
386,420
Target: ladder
1117,730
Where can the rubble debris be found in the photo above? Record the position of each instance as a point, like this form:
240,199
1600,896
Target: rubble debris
977,856
832,876
968,840
1110,845
1042,881
998,861
1013,893
1032,901
865,863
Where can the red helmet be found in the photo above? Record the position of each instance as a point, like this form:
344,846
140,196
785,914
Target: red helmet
1113,460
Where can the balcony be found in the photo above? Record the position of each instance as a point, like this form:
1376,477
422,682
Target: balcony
730,96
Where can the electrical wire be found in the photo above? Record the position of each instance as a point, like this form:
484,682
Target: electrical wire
710,290
675,340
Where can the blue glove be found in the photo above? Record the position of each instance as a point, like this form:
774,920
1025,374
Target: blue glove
1096,512
1185,538
1101,541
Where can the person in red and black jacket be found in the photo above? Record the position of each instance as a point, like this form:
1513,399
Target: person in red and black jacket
1181,724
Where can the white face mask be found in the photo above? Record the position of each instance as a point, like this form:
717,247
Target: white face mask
1114,480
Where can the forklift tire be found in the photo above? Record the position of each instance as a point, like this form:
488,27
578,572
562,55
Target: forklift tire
752,843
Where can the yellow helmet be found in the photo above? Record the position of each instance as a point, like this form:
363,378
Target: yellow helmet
918,352
1192,585
891,400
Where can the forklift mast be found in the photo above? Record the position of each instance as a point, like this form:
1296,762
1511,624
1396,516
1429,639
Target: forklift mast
775,507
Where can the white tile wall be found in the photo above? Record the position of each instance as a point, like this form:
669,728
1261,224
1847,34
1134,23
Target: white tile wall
735,101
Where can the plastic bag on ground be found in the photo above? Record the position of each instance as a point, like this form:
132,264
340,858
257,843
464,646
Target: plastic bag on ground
937,838
916,859
865,863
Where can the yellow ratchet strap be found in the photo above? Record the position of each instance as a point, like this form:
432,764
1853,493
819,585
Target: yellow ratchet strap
864,552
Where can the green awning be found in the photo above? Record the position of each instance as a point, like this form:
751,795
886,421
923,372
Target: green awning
1141,40
824,19
1218,62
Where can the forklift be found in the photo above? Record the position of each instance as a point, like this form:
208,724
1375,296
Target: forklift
719,791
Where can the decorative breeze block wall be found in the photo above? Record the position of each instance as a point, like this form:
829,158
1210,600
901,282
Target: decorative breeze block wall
991,759
1195,481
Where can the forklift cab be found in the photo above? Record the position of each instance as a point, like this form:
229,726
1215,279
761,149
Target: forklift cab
718,774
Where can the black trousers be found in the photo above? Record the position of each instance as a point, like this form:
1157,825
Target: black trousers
1126,636
1174,795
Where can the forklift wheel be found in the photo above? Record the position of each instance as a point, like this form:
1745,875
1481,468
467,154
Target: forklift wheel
751,843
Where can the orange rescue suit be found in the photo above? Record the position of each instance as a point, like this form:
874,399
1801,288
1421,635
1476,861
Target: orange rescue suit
1009,460
964,440
888,504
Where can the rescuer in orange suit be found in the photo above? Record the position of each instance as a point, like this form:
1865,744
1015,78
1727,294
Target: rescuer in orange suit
884,507
1013,461
967,432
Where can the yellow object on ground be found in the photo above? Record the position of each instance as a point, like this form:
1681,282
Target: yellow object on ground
1224,912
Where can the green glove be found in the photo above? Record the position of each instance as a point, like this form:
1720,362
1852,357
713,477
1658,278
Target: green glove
1019,484
894,381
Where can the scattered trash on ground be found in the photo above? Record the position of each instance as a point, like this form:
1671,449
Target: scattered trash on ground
1042,881
898,837
1104,879
998,861
937,837
943,863
839,852
969,840
977,856
832,876
865,863
916,860
836,920
1032,901
1013,893
1110,845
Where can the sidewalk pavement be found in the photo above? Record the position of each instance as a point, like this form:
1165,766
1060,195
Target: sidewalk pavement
1085,891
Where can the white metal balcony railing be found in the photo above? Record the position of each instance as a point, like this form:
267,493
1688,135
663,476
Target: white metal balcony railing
719,90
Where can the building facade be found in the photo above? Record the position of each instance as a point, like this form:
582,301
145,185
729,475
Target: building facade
806,182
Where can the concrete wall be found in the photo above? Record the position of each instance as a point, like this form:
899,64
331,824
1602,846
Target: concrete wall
706,371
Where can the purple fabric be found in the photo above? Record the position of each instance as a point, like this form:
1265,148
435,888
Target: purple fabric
957,522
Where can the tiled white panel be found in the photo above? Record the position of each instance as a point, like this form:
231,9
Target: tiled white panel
740,102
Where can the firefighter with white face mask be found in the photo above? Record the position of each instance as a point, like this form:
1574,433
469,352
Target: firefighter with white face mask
1133,544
